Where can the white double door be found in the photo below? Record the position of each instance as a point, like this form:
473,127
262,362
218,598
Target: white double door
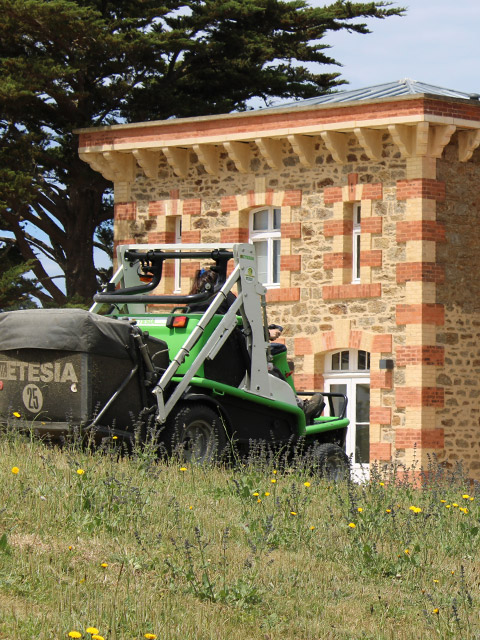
357,389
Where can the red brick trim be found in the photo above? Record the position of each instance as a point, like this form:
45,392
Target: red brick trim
351,291
190,237
428,355
162,237
156,208
337,260
168,269
302,346
228,203
382,343
424,438
292,198
308,381
421,314
337,227
189,269
355,339
291,294
332,194
125,210
372,191
381,379
421,230
291,263
380,415
291,230
237,234
419,397
380,451
371,225
371,258
352,181
192,206
420,272
421,188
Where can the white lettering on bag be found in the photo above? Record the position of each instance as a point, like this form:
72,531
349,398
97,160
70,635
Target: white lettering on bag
36,372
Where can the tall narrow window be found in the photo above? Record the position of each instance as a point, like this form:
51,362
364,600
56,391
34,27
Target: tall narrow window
356,242
265,235
177,284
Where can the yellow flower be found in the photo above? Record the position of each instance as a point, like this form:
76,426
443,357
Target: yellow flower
407,551
97,637
150,636
382,484
190,507
435,611
80,472
443,501
183,468
293,513
352,525
16,414
273,480
312,528
267,493
436,581
255,493
259,500
360,509
466,496
454,504
104,565
415,509
92,630
114,437
472,498
274,472
15,470
464,509
306,484
447,506
74,634
70,548
388,511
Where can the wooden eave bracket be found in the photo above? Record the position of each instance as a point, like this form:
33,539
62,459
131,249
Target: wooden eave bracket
337,144
468,141
304,147
239,152
177,158
113,165
148,161
422,139
208,154
271,150
371,141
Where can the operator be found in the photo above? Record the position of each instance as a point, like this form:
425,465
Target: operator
204,280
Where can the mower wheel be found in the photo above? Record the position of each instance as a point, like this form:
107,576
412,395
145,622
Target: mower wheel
196,433
330,460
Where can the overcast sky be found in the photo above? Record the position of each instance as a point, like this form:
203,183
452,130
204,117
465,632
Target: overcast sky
436,42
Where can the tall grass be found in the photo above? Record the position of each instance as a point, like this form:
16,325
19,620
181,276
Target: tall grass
138,547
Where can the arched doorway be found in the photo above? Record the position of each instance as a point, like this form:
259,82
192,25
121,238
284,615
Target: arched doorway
348,371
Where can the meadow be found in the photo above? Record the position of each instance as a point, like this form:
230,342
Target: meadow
103,546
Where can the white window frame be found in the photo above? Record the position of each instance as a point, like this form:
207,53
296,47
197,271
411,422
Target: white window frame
356,242
269,235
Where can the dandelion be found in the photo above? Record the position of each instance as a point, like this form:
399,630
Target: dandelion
360,509
255,493
415,509
183,468
80,472
436,581
312,528
150,636
273,480
352,525
70,548
443,501
472,498
465,496
464,510
447,506
436,611
114,437
74,634
267,493
388,511
92,630
454,504
382,484
15,470
274,472
16,414
293,513
97,637
104,565
259,500
190,507
407,552
306,484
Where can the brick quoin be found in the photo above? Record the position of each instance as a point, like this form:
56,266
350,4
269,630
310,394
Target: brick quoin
291,230
161,237
290,263
228,203
269,197
420,396
428,230
382,343
380,451
189,269
425,188
352,291
420,314
381,379
329,339
125,211
156,208
291,294
337,260
428,355
332,194
380,415
308,381
352,181
420,272
190,237
192,206
372,191
355,339
371,258
292,198
168,270
302,346
337,227
239,234
371,225
251,198
425,438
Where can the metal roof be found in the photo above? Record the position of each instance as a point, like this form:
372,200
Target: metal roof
387,90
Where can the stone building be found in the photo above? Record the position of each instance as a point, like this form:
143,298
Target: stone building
364,208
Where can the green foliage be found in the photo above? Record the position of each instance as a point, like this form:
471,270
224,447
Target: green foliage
68,64
15,288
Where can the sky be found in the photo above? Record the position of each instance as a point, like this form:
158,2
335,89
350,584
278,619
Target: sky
436,42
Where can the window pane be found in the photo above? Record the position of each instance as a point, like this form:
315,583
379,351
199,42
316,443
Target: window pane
262,260
338,402
362,405
358,216
362,427
362,446
277,214
276,261
345,355
357,256
362,360
336,361
260,220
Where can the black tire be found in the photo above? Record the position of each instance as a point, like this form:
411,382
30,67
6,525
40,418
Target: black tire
331,461
196,433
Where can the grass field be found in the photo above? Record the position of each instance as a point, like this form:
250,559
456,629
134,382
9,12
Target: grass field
132,548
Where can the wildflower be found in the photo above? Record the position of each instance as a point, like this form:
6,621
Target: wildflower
436,611
312,528
80,472
463,509
360,509
15,470
92,630
388,511
454,504
70,548
255,493
267,493
16,414
415,509
97,637
447,506
74,634
382,484
150,636
114,437
190,507
472,498
274,472
352,525
306,484
104,565
436,581
407,551
443,501
183,468
293,513
273,480
259,500
466,496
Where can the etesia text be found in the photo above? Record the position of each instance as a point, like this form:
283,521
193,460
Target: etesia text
36,372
